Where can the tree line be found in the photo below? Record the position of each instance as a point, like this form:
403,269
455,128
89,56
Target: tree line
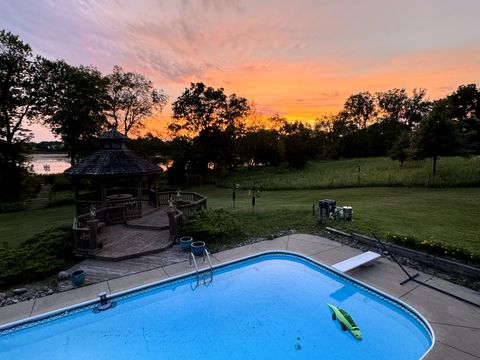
211,129
76,102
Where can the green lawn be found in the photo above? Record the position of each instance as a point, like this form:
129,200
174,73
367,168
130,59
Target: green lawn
451,216
17,227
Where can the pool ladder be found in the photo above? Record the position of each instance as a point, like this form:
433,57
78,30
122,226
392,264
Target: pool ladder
206,257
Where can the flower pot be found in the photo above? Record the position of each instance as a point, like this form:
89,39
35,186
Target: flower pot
198,247
186,243
77,277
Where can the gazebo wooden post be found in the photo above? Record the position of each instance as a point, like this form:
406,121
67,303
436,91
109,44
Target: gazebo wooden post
75,189
156,192
139,195
103,193
149,186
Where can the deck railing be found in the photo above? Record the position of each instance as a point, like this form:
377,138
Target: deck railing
133,207
86,226
187,202
86,223
84,239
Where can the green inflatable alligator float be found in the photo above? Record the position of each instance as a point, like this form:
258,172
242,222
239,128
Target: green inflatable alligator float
346,321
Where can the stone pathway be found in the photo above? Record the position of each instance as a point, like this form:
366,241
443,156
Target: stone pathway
41,201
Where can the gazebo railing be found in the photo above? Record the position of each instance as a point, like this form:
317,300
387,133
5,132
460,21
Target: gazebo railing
133,208
83,206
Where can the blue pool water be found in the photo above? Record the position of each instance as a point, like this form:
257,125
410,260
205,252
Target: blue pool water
267,307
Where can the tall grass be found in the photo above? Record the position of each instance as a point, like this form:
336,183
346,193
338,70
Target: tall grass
362,172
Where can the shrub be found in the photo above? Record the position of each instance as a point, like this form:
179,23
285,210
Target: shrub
434,247
214,227
60,183
38,257
60,198
12,207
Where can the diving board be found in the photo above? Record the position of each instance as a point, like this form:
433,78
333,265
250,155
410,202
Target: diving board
363,259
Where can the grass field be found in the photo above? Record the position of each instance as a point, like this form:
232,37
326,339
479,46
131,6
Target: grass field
363,172
445,212
451,216
17,227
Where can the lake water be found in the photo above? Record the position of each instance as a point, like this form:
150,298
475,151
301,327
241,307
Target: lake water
58,163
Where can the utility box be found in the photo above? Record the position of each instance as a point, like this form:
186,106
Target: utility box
328,205
347,213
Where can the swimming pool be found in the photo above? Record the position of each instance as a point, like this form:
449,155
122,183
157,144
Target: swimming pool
269,306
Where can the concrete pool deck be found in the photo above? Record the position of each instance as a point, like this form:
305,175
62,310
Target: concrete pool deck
455,323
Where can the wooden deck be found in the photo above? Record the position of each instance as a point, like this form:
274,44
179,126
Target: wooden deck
155,219
138,237
121,242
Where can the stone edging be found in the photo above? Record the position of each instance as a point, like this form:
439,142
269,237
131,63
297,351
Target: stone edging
430,260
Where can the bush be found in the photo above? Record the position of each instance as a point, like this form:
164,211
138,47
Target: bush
434,247
44,254
60,183
31,185
214,227
12,207
60,198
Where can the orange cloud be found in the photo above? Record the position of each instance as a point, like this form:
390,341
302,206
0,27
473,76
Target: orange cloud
304,90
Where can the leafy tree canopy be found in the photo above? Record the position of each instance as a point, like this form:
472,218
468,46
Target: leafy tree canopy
131,99
436,135
201,108
360,108
75,103
19,97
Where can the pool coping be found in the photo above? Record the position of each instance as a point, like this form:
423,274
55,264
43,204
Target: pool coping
225,265
455,323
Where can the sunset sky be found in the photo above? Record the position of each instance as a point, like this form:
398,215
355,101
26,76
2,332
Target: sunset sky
295,58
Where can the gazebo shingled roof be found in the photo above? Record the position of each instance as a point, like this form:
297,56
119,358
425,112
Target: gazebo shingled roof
115,159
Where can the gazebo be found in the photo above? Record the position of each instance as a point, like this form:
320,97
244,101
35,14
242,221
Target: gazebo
119,177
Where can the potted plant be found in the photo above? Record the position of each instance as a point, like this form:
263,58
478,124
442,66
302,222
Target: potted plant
186,243
198,247
77,277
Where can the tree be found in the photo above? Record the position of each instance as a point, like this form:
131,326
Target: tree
132,98
393,104
198,109
150,147
18,105
465,111
436,135
397,106
360,108
297,138
75,105
236,108
400,148
213,119
416,108
262,147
